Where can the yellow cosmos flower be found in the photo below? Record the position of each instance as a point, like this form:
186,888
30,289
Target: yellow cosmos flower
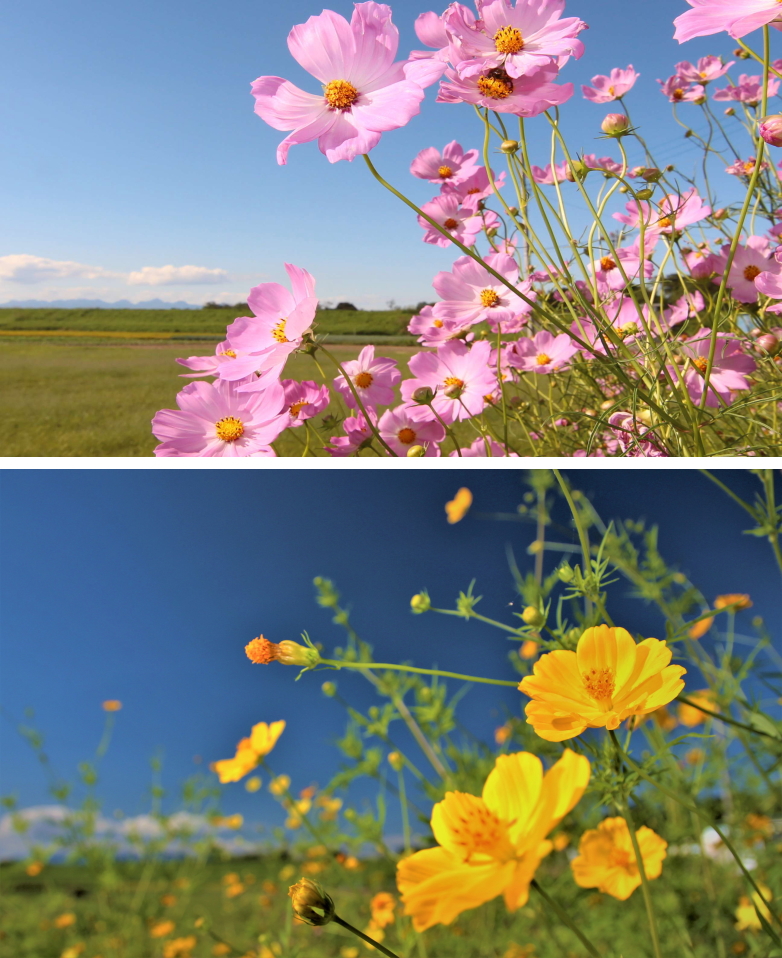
738,600
180,947
747,912
605,681
249,752
690,716
698,629
607,861
491,845
459,506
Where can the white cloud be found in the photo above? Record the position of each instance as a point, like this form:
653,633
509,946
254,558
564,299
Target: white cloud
175,275
24,268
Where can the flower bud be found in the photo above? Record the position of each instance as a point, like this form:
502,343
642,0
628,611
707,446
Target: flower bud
741,53
645,194
730,111
329,689
416,452
767,343
651,175
396,761
615,124
420,603
454,390
565,573
532,616
310,903
770,128
423,394
513,210
576,171
262,652
509,147
624,189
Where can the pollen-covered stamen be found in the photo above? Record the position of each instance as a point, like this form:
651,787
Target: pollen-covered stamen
364,380
478,831
262,651
612,91
445,172
678,93
627,330
607,264
751,271
406,436
279,332
229,429
450,223
297,407
454,387
508,40
621,858
489,298
340,95
664,222
700,363
543,359
495,87
599,684
438,323
230,353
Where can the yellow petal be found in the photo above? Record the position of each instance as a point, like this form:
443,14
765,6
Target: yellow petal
563,785
556,678
458,507
512,789
671,685
553,725
264,737
603,647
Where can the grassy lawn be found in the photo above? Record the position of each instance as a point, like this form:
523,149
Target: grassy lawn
85,397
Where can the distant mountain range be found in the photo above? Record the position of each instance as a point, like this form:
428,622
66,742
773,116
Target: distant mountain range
94,304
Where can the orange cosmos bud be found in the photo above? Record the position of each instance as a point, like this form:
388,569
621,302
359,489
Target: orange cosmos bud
738,600
459,506
112,705
699,629
261,651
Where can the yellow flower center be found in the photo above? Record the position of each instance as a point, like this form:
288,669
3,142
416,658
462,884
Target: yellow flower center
495,87
230,352
750,272
438,323
453,381
340,95
444,172
406,436
606,264
364,380
664,222
543,359
508,40
451,223
678,93
229,429
297,407
700,363
599,684
480,832
279,332
612,91
627,330
489,297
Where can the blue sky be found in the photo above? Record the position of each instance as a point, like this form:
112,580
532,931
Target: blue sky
132,146
145,587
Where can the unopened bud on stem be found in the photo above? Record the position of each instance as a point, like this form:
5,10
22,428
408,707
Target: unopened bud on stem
416,452
532,616
420,603
424,394
310,903
615,124
770,128
509,147
262,652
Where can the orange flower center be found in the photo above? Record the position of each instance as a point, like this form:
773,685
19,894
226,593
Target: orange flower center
455,385
508,40
678,93
599,684
700,363
606,264
230,352
297,407
495,87
451,223
612,91
229,429
438,323
751,271
406,436
261,651
621,858
444,172
489,297
481,832
627,330
364,380
279,332
664,222
340,95
543,359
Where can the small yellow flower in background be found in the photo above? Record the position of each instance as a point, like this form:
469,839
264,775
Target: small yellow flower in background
560,841
180,947
459,506
349,951
221,949
112,705
231,878
161,929
352,863
65,920
759,827
503,733
182,883
491,845
529,649
738,600
74,950
382,908
167,901
665,719
286,872
606,859
694,756
747,912
34,868
279,785
249,752
313,868
269,887
253,784
519,951
699,629
233,891
605,681
690,716
330,807
232,821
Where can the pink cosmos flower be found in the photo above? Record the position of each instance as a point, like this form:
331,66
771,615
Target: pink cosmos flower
276,329
686,307
518,40
524,96
770,128
451,166
745,167
601,163
607,270
728,374
215,419
364,92
430,30
708,69
303,400
460,377
673,212
462,222
679,90
542,353
373,379
623,319
433,331
478,449
748,90
632,437
702,263
606,89
357,432
748,262
470,294
208,365
547,175
408,426
736,17
475,188
769,282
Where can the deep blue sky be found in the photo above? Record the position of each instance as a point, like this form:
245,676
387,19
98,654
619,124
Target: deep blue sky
145,586
131,142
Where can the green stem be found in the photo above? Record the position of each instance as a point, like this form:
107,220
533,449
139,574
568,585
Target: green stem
565,918
724,718
410,668
403,803
366,938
